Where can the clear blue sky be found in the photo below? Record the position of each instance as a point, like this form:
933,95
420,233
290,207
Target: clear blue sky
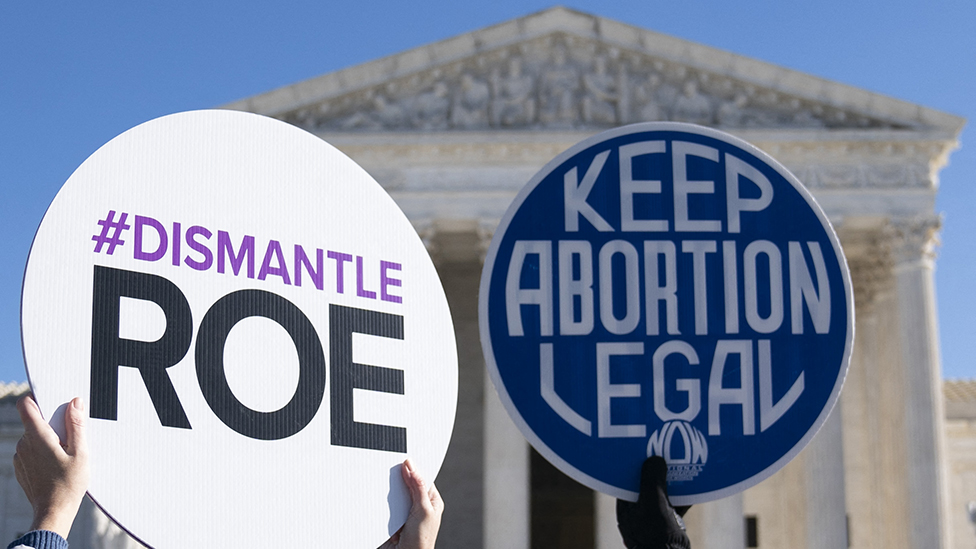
75,74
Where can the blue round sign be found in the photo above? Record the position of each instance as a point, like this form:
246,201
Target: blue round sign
666,289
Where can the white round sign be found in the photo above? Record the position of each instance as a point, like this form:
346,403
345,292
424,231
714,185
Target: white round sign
259,332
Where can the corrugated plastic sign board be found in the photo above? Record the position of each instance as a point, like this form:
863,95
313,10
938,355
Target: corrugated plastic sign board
666,289
259,332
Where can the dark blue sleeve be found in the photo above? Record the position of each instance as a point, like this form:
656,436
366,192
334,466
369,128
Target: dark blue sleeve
39,539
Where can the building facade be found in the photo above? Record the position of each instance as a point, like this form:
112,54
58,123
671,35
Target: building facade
452,130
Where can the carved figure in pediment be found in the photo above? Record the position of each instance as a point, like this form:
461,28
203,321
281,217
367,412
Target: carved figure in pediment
624,96
384,114
431,108
303,118
734,114
667,95
606,100
470,108
692,106
513,104
806,118
558,87
647,97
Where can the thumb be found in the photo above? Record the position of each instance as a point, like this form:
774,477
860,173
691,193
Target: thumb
76,439
654,479
435,498
416,486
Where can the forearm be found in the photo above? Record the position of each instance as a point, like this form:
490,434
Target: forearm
57,521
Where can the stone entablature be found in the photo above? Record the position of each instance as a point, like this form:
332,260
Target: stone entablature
9,418
853,160
860,181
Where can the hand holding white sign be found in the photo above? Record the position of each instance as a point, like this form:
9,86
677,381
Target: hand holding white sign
424,520
53,473
229,287
54,477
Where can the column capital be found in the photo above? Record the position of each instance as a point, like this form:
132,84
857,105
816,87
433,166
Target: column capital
913,240
870,276
486,231
427,230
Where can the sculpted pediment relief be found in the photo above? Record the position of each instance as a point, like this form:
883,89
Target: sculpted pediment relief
561,81
561,69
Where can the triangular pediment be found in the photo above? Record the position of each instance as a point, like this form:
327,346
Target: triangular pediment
562,69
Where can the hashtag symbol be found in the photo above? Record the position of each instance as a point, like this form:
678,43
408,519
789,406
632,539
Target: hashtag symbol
109,224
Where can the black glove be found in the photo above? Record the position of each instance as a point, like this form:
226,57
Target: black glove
652,523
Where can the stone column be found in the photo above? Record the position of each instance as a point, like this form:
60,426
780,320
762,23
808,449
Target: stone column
826,505
507,489
823,469
461,480
862,432
718,524
913,241
605,515
873,412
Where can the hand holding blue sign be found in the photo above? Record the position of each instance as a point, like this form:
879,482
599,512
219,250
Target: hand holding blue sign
651,522
666,289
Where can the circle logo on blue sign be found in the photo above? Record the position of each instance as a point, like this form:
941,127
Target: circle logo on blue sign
666,289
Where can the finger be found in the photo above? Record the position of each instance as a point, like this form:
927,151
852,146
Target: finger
415,485
22,478
34,424
435,499
74,426
30,415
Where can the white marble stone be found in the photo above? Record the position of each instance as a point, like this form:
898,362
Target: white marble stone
718,524
826,515
506,474
961,448
605,519
923,401
867,158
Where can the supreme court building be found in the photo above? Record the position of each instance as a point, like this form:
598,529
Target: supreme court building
452,130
